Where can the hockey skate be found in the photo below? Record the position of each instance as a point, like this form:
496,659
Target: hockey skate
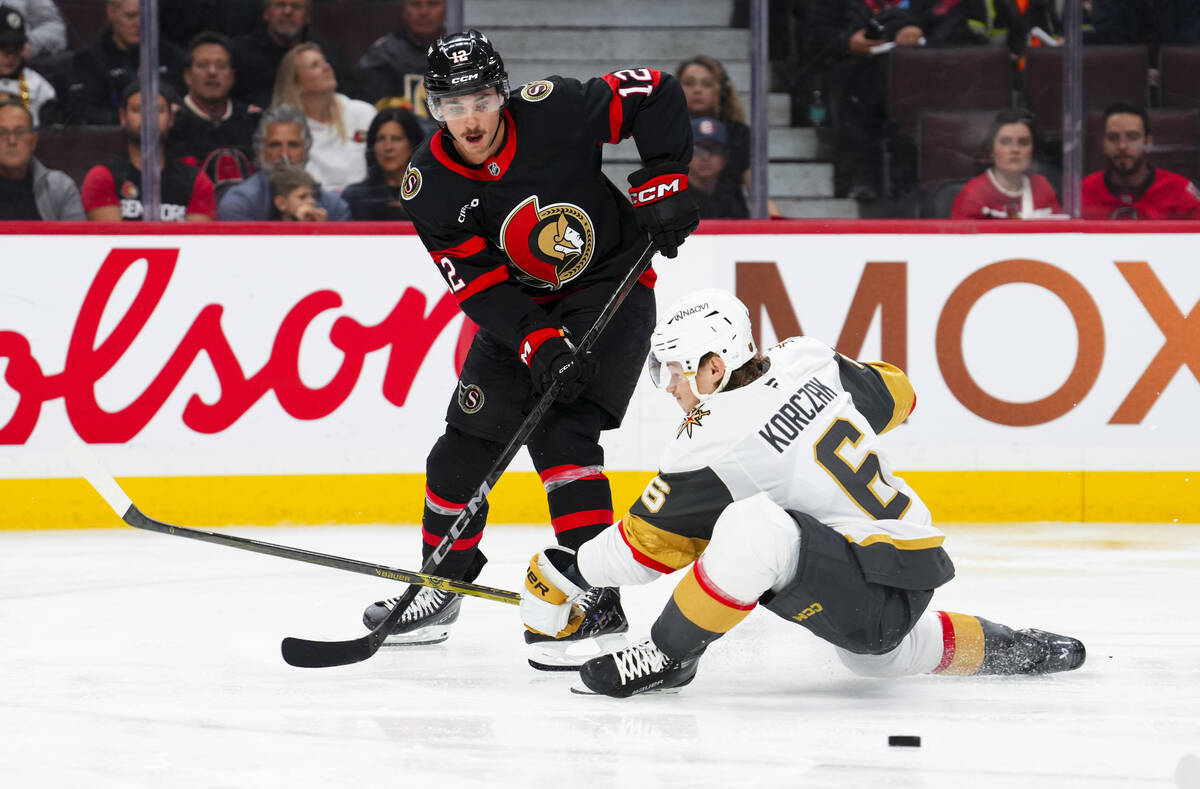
603,622
641,668
1039,652
427,619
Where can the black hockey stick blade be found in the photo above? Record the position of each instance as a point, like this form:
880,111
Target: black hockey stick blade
321,654
99,478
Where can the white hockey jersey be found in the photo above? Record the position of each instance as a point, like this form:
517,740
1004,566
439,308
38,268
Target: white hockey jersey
805,433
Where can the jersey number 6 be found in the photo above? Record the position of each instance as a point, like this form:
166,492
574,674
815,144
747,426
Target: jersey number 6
860,482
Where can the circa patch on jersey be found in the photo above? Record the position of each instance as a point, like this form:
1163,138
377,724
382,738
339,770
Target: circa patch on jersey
411,184
691,421
536,90
548,246
470,398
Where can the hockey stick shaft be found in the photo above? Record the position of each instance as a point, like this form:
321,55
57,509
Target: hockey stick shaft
115,496
320,654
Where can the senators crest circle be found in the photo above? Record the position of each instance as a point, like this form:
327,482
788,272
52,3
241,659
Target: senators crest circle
548,246
411,183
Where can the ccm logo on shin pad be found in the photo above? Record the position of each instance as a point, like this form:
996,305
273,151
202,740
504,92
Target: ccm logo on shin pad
658,188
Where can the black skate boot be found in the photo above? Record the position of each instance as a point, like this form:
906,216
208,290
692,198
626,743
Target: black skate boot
1039,652
603,622
427,619
641,668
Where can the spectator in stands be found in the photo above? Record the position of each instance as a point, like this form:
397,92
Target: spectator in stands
28,189
43,25
851,31
338,123
1145,22
282,139
257,55
16,79
100,73
208,119
293,195
1007,190
710,94
1130,187
394,64
1013,23
393,136
716,199
112,192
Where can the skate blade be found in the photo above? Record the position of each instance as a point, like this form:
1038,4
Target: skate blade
583,690
419,638
570,655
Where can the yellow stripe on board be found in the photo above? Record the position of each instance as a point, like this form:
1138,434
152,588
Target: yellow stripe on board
953,496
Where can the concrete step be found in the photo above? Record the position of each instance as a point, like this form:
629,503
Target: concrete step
783,144
518,41
484,14
816,208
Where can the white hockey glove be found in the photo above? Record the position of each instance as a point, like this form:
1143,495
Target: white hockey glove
547,602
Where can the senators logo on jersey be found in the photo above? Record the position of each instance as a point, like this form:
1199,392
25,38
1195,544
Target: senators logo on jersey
549,246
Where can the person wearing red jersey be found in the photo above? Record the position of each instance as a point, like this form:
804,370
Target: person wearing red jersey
531,238
1130,187
111,192
1008,190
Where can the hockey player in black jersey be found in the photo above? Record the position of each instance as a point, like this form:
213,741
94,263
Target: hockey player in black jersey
776,492
532,238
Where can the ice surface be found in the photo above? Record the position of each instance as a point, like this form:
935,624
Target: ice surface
131,659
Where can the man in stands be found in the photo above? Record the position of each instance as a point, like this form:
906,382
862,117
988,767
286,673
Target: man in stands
1130,187
256,55
397,60
282,139
208,118
112,191
16,79
100,73
29,190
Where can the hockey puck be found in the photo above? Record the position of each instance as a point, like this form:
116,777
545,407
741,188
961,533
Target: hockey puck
904,741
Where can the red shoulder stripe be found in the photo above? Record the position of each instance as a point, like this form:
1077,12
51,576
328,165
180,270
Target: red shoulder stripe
467,248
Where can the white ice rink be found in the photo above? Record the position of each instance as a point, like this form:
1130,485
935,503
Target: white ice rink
131,659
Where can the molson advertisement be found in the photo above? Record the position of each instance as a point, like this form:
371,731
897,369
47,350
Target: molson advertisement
265,378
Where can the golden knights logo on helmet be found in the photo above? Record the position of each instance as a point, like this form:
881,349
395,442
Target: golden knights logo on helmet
549,246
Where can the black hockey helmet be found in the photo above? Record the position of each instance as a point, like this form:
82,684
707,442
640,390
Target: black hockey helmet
461,63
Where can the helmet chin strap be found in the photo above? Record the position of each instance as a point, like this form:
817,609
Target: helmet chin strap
720,386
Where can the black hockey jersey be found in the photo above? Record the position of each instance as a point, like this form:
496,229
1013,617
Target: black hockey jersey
539,219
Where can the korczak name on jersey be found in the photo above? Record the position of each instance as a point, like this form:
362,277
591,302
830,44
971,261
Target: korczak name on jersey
167,212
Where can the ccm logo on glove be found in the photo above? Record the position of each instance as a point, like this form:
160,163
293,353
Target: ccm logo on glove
658,188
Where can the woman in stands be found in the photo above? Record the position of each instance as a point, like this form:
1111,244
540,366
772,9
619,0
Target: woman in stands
394,135
1008,190
710,94
338,123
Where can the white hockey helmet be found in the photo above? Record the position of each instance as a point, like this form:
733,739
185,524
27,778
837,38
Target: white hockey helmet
705,321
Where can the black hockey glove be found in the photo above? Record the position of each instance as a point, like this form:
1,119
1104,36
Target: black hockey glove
552,357
664,208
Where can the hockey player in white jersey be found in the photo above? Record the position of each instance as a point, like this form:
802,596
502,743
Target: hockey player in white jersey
776,492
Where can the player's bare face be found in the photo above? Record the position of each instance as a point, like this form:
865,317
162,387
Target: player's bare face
708,377
1125,143
1012,149
476,124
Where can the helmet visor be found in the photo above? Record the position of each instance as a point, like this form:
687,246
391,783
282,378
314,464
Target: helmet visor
453,108
666,374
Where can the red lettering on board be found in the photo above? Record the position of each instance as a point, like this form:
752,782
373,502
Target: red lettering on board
407,332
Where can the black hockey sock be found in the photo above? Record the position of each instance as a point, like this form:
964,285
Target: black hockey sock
696,615
464,560
580,509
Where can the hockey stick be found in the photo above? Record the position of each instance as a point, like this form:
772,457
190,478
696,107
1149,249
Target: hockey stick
319,654
99,478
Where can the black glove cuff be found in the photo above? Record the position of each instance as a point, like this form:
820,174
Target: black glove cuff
651,171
